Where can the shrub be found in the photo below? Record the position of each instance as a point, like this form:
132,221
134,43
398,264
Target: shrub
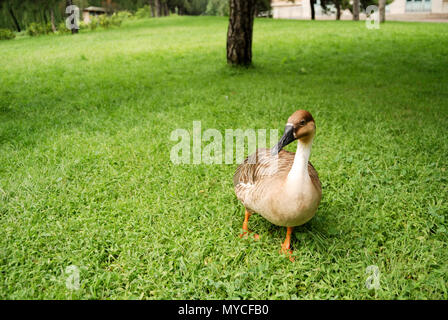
83,25
124,15
115,20
33,29
62,28
104,21
36,29
144,12
93,24
217,8
6,34
118,17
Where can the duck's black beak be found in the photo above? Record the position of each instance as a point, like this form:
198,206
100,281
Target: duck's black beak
287,138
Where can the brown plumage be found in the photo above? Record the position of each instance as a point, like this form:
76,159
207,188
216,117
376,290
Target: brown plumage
282,186
250,172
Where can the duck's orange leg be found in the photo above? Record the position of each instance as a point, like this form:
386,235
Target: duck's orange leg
286,246
245,226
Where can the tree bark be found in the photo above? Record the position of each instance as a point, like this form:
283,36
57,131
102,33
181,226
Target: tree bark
382,10
239,34
152,6
44,16
313,13
356,10
338,10
53,27
166,11
157,8
15,20
109,6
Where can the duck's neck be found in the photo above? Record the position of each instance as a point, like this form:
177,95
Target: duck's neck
299,169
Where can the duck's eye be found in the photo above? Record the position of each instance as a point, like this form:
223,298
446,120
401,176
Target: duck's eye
302,123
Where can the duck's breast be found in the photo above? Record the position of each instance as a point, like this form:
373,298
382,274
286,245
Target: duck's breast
290,208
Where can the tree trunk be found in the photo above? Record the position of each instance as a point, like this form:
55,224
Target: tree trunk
338,10
355,10
152,6
166,11
382,10
44,16
15,20
157,8
109,6
313,13
239,34
53,27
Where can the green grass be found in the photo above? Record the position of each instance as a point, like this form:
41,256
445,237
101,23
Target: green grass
86,177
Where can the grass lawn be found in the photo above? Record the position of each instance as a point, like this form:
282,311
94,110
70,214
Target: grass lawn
86,177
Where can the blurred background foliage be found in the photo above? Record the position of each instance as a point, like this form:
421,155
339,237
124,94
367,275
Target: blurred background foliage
18,15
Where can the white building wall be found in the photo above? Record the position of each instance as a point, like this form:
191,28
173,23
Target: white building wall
306,9
287,12
439,6
397,7
299,9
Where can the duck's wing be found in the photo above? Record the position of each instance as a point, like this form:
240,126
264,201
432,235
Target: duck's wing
314,177
262,164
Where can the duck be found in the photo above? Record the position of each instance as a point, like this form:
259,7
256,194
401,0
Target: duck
281,186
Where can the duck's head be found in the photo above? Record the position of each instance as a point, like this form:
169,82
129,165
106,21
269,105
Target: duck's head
300,126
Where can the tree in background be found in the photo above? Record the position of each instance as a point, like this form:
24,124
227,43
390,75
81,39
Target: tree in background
19,14
339,5
239,34
195,7
313,13
10,7
355,10
365,3
262,6
382,10
217,8
221,7
158,8
47,10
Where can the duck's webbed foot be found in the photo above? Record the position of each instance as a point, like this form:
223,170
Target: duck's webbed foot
286,246
246,230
